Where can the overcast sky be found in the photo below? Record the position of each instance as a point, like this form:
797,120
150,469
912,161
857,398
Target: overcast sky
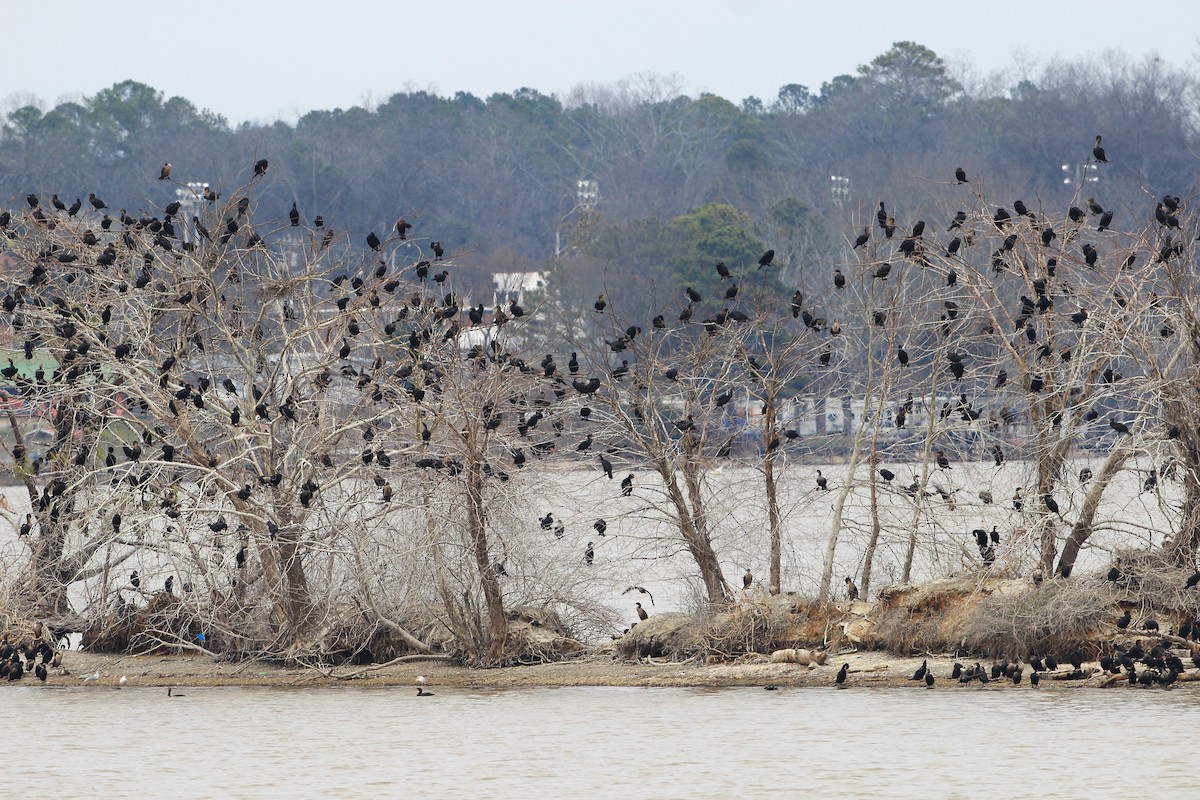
265,60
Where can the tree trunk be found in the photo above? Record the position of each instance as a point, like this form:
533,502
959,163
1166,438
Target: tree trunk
477,533
769,436
1084,524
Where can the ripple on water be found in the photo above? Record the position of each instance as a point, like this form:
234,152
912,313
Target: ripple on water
595,742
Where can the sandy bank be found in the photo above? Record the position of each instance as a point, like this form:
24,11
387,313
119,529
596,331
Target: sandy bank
871,668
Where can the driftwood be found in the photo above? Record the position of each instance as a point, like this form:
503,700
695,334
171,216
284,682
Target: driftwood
799,655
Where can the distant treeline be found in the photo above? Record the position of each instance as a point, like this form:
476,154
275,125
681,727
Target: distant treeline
496,177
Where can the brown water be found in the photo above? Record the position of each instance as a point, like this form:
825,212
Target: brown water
597,743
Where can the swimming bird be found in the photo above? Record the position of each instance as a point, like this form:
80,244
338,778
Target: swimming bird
172,693
421,687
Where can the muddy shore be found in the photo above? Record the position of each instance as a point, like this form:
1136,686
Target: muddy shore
869,668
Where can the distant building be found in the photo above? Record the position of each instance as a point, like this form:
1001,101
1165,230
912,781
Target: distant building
512,286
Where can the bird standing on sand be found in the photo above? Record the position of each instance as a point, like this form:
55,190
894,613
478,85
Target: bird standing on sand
840,680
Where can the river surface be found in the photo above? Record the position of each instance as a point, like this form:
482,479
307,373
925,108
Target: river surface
598,743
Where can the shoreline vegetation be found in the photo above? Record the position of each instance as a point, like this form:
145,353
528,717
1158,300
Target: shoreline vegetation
1081,633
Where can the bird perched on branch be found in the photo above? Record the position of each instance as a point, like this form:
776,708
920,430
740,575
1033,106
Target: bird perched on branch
165,172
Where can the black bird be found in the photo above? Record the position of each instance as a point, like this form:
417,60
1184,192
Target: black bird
589,554
960,175
1123,621
839,280
373,241
606,465
862,239
134,580
1050,502
881,272
1098,151
294,215
766,258
260,167
641,612
1192,581
919,675
886,474
851,589
840,680
722,270
627,485
942,461
822,481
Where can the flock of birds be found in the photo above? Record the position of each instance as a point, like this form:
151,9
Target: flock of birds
1156,666
33,659
76,334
